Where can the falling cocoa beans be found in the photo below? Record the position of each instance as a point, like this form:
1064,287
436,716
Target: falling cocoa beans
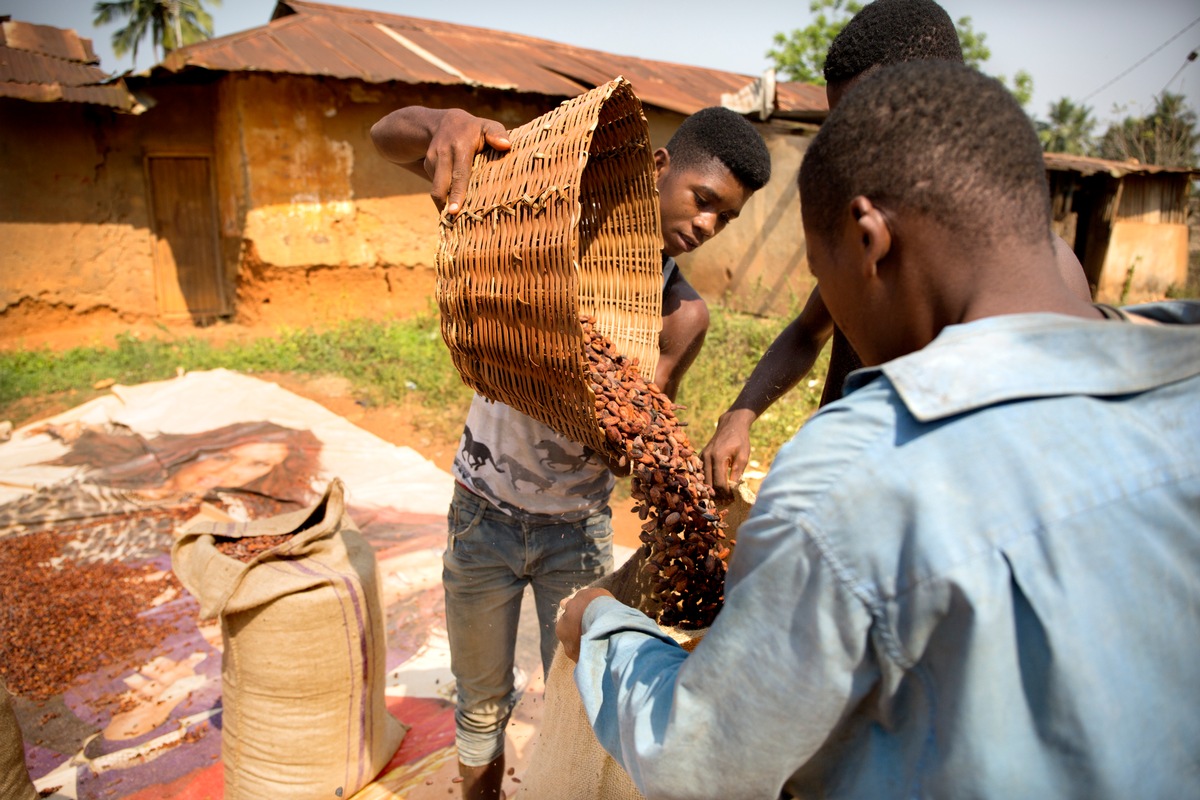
683,528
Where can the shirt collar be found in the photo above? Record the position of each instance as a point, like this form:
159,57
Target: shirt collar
1012,357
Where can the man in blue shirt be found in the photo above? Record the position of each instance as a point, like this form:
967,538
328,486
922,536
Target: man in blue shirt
883,32
976,575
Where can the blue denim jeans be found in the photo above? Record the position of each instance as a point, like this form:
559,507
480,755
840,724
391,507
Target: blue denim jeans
490,558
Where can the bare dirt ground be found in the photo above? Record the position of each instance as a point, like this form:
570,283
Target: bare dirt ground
34,326
60,331
265,303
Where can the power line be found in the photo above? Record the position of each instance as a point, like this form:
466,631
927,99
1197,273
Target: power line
1143,60
1190,58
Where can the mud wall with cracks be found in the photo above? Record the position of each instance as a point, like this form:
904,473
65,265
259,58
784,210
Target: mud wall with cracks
75,230
313,225
316,197
326,228
73,225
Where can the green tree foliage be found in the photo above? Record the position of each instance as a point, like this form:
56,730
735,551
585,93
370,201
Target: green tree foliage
1022,86
800,55
1069,128
170,24
1166,137
974,47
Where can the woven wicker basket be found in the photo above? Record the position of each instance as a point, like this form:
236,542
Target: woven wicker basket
565,224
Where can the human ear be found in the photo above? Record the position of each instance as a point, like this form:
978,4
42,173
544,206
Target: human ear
873,231
662,161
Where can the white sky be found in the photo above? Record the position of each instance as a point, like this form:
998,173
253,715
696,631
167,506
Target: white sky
1072,48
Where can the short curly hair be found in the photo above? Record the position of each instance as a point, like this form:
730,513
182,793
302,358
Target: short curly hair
892,32
935,138
727,136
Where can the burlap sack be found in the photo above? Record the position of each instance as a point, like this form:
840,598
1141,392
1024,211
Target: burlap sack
14,777
568,762
304,662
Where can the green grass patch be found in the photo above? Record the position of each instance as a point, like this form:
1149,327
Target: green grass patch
399,362
1190,290
386,362
734,344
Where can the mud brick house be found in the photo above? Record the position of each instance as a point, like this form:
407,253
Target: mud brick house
63,209
248,187
236,179
1128,223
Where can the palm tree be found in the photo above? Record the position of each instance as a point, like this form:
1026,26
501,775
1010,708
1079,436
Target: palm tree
1167,137
1069,129
170,23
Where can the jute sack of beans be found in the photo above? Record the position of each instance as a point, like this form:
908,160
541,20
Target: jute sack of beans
567,762
14,777
303,665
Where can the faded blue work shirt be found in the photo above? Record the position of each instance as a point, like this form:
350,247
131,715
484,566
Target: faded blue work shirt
975,576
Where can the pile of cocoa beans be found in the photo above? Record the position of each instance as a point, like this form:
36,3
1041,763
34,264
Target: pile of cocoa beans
683,527
74,618
246,548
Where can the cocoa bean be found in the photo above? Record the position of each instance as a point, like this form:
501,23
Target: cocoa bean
683,525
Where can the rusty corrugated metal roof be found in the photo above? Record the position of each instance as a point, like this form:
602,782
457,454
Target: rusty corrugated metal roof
306,38
44,64
805,101
1088,165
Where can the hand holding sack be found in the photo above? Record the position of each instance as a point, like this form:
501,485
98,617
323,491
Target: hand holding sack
567,762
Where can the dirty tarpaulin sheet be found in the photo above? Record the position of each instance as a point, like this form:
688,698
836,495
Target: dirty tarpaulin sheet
126,702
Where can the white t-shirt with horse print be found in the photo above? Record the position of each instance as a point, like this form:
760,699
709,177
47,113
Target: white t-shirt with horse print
521,466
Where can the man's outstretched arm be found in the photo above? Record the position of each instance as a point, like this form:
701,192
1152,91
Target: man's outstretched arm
439,144
789,358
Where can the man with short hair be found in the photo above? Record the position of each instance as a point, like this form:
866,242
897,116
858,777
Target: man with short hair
502,536
975,575
882,33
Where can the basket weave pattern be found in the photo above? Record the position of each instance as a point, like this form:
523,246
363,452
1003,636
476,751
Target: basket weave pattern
563,225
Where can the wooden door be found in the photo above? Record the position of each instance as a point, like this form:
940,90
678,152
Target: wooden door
187,258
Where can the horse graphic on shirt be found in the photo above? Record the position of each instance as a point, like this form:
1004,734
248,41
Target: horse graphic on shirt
518,472
594,489
477,453
555,455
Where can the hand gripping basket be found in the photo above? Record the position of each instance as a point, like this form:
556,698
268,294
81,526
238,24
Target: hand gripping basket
564,224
